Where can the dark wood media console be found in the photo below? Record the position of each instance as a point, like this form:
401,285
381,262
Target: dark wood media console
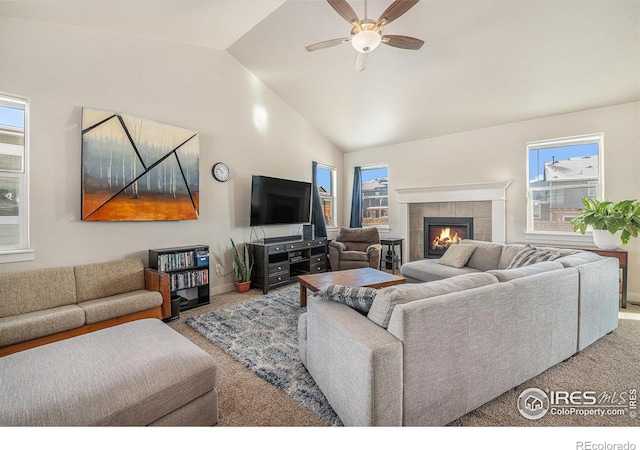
279,263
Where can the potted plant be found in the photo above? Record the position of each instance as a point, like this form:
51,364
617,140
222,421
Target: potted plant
241,268
611,223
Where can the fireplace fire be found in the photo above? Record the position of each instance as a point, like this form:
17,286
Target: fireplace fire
445,239
441,232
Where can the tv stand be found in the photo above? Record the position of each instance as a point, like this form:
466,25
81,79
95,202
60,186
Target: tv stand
279,263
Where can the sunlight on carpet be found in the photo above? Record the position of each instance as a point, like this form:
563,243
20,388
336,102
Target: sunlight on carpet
263,335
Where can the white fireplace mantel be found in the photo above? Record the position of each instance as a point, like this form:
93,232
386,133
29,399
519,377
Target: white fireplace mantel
485,191
471,192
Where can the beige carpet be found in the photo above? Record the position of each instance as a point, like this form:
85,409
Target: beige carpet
610,365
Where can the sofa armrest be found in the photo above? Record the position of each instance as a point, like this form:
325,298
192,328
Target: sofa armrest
599,300
159,281
335,248
375,254
356,364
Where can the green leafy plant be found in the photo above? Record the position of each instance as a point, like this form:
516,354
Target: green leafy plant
241,265
613,217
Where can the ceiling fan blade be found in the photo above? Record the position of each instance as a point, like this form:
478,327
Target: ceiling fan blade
361,61
397,8
406,42
326,44
346,11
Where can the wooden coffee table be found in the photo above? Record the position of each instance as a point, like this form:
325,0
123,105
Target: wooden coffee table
367,277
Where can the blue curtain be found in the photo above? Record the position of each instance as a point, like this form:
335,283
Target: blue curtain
317,217
356,200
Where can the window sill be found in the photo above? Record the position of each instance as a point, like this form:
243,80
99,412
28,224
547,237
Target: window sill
16,256
560,239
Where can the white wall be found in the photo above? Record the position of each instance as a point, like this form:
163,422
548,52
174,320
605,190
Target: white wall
61,69
498,154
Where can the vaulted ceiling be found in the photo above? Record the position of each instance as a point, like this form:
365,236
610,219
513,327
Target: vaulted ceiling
484,63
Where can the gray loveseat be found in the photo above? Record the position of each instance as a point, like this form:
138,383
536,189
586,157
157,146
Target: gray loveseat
428,353
47,305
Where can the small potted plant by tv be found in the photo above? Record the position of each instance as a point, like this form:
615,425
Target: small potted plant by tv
242,266
611,223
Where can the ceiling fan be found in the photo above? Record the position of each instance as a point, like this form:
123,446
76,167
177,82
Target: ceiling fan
366,34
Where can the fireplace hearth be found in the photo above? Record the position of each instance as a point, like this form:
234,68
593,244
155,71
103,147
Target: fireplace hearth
441,232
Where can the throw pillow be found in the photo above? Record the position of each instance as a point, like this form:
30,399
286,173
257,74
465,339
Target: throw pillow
358,298
457,255
531,255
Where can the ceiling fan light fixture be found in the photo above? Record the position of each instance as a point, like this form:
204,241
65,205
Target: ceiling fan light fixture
366,41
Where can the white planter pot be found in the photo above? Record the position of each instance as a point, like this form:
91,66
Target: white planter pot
605,240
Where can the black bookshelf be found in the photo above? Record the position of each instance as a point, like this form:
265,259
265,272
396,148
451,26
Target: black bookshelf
188,269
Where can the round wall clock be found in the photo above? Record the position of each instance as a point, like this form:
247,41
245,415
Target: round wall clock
220,171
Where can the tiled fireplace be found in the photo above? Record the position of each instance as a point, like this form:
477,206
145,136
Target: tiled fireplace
446,215
481,204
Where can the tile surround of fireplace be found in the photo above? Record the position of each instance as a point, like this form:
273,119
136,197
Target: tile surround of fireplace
479,212
484,201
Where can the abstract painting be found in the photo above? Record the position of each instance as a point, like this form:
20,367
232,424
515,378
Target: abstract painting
136,169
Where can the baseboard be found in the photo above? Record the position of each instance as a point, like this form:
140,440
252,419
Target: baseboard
633,297
227,287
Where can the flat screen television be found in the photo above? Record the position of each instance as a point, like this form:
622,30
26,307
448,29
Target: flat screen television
279,201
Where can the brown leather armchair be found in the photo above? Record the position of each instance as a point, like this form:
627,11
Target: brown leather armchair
355,248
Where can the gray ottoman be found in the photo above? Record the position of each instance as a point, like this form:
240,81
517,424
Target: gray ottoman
138,373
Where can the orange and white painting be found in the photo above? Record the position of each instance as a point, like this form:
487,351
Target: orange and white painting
136,169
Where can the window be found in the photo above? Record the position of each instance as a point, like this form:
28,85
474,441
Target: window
561,172
326,177
13,175
375,195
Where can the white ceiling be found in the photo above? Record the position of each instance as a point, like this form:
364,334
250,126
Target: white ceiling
484,63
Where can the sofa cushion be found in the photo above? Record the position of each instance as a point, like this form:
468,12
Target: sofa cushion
430,270
350,255
457,255
387,298
120,305
512,274
109,278
531,255
358,298
36,324
508,253
578,259
486,256
35,290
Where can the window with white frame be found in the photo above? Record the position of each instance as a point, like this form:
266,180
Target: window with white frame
560,173
13,174
375,195
326,177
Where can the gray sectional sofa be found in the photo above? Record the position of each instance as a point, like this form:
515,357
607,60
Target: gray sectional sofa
427,353
47,305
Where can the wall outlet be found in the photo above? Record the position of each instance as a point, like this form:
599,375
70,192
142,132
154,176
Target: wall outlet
219,270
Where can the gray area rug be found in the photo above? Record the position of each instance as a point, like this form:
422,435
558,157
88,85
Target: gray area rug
263,335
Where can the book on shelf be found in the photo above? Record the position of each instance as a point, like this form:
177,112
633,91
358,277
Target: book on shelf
182,260
188,279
